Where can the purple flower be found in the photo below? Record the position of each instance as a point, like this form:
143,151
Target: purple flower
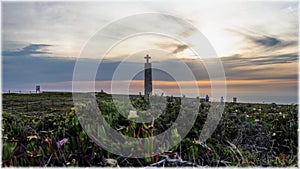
61,142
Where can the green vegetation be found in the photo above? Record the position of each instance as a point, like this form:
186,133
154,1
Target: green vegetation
48,133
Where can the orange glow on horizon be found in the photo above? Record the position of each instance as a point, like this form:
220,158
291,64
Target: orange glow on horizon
171,87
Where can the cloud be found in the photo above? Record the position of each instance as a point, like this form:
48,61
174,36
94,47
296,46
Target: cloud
180,48
281,66
29,50
239,60
271,42
235,67
266,42
174,47
26,68
183,29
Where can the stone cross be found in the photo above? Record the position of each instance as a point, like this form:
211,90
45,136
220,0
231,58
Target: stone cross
147,58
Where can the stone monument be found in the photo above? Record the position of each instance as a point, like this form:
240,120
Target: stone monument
148,77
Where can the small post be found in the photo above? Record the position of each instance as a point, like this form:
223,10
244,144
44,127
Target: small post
234,99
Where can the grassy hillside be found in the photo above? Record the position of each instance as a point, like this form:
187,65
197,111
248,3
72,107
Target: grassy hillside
43,130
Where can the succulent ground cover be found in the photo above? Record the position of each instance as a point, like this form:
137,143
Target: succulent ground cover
51,135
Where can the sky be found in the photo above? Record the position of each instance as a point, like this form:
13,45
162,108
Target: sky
256,41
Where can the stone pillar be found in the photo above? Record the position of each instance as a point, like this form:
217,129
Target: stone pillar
148,77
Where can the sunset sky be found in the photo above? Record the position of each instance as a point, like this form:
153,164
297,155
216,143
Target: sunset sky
257,42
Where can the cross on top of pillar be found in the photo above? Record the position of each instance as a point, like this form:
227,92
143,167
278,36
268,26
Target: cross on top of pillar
147,58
